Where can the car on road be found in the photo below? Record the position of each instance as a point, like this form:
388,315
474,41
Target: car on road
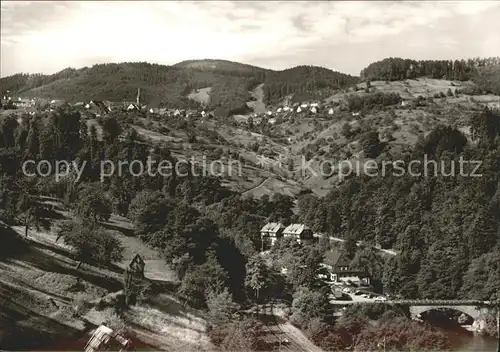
381,299
341,296
358,293
364,295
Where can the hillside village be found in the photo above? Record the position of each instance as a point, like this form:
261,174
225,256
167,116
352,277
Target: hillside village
271,258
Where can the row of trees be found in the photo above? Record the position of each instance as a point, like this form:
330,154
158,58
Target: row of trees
356,102
394,69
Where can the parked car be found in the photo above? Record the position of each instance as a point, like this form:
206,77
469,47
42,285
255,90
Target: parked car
342,297
381,298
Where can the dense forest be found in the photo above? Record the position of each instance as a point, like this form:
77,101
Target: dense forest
488,79
169,85
394,69
318,82
447,228
160,84
229,96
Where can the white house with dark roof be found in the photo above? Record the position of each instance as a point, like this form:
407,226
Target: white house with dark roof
300,232
270,233
339,266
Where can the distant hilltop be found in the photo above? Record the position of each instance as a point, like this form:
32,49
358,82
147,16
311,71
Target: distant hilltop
228,85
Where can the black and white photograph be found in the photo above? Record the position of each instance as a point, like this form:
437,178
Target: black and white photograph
244,176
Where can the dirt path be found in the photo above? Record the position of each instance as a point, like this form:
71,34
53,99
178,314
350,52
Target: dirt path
256,187
258,105
387,251
156,268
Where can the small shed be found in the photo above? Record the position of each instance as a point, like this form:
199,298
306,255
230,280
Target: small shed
136,266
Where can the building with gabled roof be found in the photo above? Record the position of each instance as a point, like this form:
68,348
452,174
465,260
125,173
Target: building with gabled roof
300,232
339,266
270,233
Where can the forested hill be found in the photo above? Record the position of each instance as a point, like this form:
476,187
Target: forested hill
170,85
230,82
224,66
305,82
477,70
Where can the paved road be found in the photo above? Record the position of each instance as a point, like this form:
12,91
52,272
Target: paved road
359,243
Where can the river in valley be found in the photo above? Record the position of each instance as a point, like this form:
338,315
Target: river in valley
462,336
476,343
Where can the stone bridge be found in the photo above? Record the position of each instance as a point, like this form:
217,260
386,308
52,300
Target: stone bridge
474,308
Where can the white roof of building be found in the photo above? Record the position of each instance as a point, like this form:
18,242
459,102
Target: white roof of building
101,336
295,229
272,227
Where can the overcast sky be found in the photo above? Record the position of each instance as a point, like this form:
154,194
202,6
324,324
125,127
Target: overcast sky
49,36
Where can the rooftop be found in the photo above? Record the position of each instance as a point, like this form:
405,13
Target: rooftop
296,229
272,227
336,257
